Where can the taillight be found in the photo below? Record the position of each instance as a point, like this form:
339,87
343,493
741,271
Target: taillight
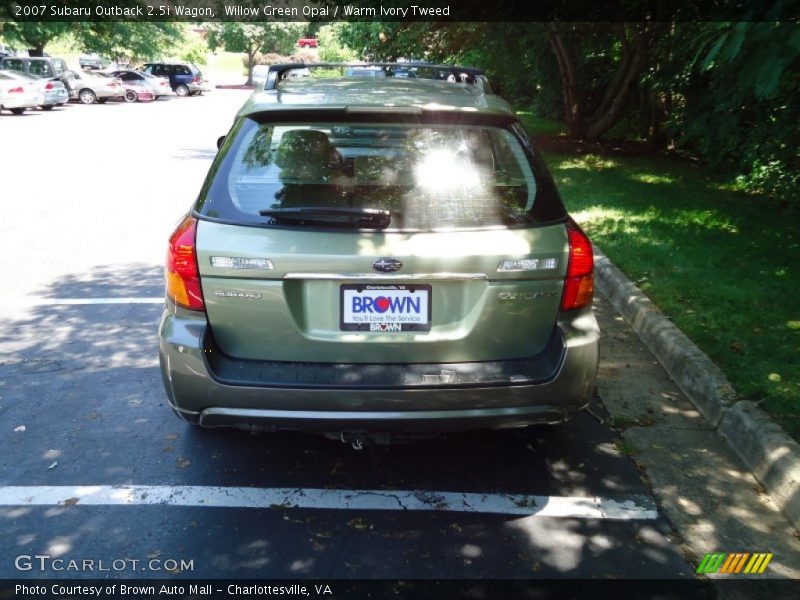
49,85
17,90
196,80
183,279
579,284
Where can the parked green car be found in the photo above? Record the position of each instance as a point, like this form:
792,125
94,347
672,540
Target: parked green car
376,257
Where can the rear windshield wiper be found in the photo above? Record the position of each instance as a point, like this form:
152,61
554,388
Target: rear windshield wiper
363,218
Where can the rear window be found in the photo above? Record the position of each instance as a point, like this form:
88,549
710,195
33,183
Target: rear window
40,68
13,64
427,176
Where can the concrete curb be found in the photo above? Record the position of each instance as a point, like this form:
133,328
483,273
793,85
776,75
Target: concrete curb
770,454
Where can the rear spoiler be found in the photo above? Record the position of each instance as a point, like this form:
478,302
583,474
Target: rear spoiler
455,73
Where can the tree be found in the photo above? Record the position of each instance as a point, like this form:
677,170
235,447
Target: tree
34,36
331,48
739,90
254,38
141,40
593,104
126,39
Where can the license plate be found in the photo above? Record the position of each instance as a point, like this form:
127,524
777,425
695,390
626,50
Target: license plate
385,308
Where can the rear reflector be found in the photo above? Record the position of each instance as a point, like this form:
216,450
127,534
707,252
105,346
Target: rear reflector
579,283
183,279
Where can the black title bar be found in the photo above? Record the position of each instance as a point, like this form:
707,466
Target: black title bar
399,10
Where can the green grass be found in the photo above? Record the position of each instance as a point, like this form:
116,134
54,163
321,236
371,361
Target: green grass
722,264
540,125
226,61
624,447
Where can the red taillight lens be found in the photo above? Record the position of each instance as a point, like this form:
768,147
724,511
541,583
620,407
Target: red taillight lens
17,90
183,279
195,80
49,85
579,284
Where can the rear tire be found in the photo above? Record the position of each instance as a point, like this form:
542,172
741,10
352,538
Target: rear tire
47,107
87,96
182,90
17,111
131,96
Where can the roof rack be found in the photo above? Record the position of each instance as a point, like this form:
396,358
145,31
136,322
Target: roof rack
454,73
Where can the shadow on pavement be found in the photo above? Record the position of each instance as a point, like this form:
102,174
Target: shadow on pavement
84,382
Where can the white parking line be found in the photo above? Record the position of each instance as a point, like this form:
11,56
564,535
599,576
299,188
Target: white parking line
592,507
58,301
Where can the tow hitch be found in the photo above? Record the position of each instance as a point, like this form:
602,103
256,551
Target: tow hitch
358,440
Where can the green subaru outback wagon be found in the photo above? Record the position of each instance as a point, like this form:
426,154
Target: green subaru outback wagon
376,257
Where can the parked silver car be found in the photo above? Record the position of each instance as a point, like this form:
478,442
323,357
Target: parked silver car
16,96
53,91
88,87
92,61
158,85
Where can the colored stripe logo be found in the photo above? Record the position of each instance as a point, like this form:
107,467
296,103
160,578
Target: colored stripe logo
733,563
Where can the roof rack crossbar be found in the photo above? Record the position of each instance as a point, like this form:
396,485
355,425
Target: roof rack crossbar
277,72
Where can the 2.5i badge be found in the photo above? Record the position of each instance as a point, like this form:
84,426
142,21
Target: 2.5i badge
385,308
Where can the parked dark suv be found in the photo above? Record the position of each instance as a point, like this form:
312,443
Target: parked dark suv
185,78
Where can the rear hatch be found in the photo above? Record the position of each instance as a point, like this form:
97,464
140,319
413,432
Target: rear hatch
383,242
325,302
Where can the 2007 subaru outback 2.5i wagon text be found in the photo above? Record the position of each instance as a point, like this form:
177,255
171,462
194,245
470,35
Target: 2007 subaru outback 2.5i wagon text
374,257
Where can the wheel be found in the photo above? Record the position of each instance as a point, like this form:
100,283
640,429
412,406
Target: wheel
102,100
17,111
182,90
47,107
131,96
87,96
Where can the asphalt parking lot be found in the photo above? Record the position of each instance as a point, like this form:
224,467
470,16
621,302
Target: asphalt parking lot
96,466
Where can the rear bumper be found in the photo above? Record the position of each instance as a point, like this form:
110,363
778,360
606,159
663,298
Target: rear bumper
208,388
55,97
22,101
143,95
199,87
